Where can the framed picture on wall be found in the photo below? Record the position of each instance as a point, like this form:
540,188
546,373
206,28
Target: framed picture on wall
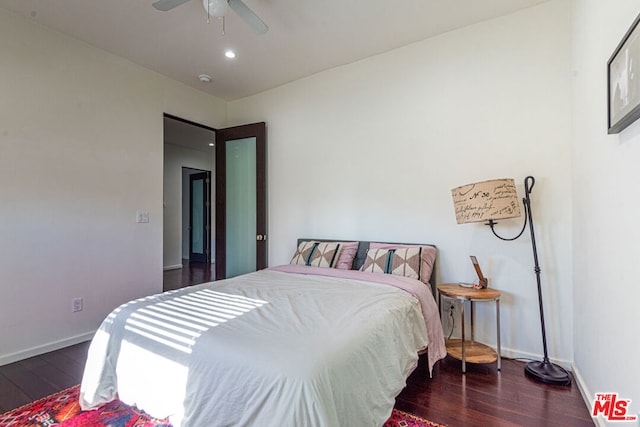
623,75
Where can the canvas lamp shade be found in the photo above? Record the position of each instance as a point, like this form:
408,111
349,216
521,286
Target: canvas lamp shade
487,200
498,199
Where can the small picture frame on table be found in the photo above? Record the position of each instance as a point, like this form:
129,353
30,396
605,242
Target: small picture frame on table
623,79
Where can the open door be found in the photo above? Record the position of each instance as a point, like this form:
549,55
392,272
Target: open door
199,217
241,208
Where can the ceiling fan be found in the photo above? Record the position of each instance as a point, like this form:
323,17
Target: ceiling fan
218,8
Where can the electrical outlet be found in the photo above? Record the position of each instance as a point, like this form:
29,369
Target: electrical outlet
448,318
449,306
76,305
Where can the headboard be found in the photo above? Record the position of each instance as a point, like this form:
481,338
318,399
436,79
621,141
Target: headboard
363,247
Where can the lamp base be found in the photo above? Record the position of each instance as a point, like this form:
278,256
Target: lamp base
547,372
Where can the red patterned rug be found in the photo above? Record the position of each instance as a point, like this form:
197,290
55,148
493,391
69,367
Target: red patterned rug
62,409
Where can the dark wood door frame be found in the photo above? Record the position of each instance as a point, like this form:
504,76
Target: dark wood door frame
199,125
206,217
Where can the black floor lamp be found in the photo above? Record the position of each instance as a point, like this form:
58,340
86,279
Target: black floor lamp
498,199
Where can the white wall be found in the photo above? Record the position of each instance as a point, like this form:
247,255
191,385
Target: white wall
486,101
81,151
175,158
371,150
606,199
365,151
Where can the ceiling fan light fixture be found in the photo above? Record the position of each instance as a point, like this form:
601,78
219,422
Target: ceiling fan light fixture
216,8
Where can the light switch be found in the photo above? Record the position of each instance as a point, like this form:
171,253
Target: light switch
142,217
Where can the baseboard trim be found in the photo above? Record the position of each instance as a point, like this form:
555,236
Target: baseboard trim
5,359
587,396
515,354
172,267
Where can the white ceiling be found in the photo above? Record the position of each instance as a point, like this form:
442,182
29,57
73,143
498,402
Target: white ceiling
304,36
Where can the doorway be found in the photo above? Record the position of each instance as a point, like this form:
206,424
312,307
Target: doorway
188,148
238,238
196,215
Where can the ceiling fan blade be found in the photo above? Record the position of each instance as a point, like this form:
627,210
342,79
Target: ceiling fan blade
248,16
165,5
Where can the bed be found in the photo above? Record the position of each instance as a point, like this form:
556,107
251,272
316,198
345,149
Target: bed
316,342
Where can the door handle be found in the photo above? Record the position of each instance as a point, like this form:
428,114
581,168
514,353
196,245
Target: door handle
261,237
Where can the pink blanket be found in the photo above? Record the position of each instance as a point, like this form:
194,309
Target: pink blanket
418,289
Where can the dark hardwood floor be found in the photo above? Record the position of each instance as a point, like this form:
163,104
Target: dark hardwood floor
481,397
486,397
30,379
191,273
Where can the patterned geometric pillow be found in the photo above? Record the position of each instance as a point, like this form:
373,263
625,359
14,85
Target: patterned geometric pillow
405,262
428,256
377,260
324,255
304,252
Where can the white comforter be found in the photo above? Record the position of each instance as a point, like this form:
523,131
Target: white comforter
269,348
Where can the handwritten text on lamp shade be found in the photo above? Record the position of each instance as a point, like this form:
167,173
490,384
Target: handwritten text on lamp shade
482,201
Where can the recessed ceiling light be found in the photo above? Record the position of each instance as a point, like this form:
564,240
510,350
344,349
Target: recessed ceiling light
204,78
211,144
230,54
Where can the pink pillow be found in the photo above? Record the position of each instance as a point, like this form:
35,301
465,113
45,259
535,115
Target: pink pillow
347,253
428,257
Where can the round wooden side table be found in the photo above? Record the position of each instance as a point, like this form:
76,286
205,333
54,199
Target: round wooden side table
470,350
